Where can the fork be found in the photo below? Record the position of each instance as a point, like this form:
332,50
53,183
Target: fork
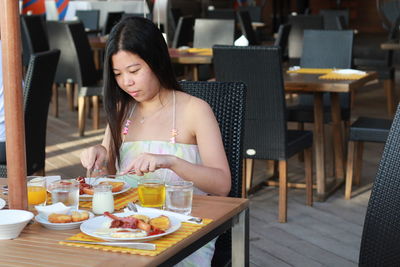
132,207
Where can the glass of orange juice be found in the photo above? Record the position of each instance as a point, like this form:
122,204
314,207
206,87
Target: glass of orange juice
151,192
37,193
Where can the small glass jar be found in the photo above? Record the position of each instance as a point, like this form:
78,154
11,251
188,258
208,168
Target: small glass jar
103,199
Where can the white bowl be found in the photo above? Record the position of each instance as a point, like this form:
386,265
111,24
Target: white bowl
12,222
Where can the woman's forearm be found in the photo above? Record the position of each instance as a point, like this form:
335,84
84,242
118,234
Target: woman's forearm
208,179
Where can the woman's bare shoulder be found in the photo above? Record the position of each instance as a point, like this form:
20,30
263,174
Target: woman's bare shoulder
192,104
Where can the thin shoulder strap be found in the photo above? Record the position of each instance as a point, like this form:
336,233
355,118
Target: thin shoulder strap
127,123
174,131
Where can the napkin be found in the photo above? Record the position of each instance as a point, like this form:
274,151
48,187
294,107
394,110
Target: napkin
242,41
181,217
58,208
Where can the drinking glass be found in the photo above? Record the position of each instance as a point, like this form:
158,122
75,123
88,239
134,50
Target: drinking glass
37,193
103,199
179,195
65,191
151,192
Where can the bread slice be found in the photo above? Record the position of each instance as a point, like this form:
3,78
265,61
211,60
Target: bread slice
116,186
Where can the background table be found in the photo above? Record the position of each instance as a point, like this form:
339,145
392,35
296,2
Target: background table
310,83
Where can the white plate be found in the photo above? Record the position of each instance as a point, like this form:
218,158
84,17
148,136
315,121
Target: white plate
349,71
95,181
2,203
60,226
92,226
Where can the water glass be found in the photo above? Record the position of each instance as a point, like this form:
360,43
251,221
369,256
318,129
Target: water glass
37,194
65,191
151,192
179,196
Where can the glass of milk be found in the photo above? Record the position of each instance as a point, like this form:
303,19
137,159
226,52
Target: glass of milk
103,199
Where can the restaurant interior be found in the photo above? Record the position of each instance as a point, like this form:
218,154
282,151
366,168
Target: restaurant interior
305,93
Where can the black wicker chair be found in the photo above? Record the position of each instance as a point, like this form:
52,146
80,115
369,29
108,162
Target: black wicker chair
318,53
384,67
282,39
266,133
330,18
300,23
34,36
111,19
380,243
208,32
246,28
76,68
227,99
90,19
362,130
37,94
183,35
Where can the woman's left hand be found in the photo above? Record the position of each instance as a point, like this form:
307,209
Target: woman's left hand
147,162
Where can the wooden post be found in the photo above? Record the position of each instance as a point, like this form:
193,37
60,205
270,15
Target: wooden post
13,103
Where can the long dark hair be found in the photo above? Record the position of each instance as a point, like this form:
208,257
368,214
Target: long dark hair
141,37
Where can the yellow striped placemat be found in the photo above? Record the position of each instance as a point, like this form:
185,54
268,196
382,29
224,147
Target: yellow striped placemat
162,243
339,76
120,200
201,51
311,71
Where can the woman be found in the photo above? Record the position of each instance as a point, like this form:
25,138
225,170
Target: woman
155,129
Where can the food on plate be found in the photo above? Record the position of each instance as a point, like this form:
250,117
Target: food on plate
162,222
75,216
142,217
59,218
132,226
79,216
116,186
85,188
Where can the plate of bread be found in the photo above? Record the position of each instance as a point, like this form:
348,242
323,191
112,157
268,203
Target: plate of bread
86,185
131,226
58,221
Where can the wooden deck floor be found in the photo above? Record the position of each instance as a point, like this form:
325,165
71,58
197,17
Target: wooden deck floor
327,234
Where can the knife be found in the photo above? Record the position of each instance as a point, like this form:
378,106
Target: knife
146,246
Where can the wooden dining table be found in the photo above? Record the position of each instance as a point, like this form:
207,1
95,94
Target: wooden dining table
311,84
38,246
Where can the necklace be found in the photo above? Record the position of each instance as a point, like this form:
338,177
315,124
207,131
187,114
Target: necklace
174,131
143,118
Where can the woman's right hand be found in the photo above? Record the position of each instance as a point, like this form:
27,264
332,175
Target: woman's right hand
94,157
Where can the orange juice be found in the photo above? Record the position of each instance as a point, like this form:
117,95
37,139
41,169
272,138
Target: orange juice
151,195
36,195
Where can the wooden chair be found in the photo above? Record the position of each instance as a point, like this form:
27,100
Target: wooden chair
384,67
266,133
362,130
318,53
77,69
